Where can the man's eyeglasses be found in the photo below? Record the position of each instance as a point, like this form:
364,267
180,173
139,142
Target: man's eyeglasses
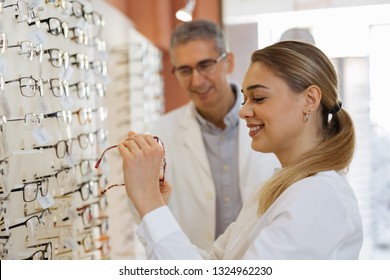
204,67
162,166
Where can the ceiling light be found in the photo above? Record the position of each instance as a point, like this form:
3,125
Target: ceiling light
185,14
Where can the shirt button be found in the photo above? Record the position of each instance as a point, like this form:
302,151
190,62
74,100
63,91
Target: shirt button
142,241
225,167
209,196
226,198
210,236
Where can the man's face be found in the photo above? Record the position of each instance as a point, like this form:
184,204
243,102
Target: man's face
202,72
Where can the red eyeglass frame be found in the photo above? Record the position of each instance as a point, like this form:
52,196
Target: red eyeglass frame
162,167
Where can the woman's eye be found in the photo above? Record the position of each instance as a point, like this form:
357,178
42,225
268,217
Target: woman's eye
258,100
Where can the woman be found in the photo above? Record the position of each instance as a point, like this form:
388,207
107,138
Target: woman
307,210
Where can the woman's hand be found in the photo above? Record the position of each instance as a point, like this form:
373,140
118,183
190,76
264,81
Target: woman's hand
165,190
142,156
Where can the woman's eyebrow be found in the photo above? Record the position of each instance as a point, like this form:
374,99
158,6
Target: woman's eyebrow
254,87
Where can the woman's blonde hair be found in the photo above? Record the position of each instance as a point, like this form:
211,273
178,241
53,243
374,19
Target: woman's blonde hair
301,65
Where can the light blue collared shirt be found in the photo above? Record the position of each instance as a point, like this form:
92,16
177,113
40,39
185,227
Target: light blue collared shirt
222,152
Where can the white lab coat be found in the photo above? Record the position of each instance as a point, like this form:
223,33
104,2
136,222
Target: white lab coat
315,218
193,197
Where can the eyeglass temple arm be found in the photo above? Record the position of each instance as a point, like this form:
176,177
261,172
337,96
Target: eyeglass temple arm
106,189
101,157
32,23
12,81
39,245
15,120
9,6
13,46
44,147
39,21
76,190
19,224
68,193
50,115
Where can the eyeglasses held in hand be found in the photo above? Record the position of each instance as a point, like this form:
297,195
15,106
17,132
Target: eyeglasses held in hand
162,166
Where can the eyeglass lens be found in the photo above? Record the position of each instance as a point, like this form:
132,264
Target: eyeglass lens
31,189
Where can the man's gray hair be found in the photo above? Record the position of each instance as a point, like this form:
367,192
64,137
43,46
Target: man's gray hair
198,29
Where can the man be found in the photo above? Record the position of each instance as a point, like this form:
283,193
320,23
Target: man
210,165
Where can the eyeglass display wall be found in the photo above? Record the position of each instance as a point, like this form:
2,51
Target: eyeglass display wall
136,100
53,78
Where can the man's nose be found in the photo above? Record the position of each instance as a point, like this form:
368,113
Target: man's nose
197,78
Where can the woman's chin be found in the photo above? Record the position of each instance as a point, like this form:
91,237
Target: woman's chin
259,148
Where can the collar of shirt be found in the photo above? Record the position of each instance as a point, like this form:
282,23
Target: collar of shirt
230,120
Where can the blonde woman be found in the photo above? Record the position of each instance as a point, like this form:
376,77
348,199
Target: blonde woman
307,210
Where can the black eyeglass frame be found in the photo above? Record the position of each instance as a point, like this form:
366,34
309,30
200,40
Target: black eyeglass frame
39,217
40,187
203,63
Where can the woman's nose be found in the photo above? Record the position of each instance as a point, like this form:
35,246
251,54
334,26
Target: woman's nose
246,111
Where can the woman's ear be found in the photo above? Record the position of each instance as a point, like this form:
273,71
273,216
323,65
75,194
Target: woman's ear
312,97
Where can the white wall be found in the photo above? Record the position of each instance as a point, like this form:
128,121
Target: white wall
239,8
